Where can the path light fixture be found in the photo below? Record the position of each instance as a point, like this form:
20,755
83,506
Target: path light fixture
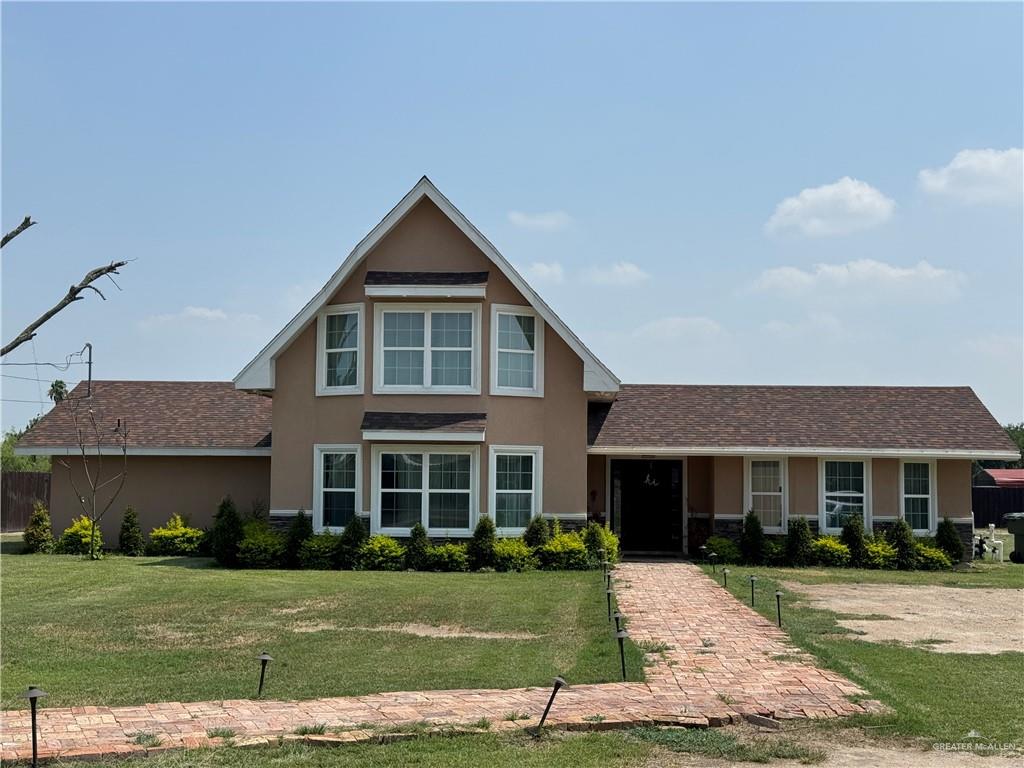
608,593
265,658
608,580
753,579
618,620
703,552
778,606
607,565
621,635
32,694
725,578
713,557
559,682
603,554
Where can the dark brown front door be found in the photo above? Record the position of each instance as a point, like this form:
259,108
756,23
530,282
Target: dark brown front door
647,504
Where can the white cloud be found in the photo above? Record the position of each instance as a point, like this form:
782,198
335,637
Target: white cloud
545,221
197,315
863,278
978,176
668,328
848,205
619,273
546,272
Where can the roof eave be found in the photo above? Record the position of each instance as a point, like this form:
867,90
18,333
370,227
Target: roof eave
696,450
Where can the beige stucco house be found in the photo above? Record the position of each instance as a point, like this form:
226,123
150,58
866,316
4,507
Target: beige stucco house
428,382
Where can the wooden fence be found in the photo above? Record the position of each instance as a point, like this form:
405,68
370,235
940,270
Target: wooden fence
991,503
20,490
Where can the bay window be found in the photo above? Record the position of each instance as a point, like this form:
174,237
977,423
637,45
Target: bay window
515,486
339,361
336,493
427,348
430,485
916,495
517,351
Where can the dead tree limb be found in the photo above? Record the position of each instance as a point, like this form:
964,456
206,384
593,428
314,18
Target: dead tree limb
25,224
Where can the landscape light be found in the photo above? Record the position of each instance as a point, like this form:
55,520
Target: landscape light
32,694
608,594
622,635
752,580
618,620
559,683
264,658
778,606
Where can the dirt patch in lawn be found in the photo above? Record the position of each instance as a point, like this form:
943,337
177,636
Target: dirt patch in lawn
941,619
430,630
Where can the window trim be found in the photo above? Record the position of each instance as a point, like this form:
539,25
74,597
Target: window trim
933,496
425,449
538,352
380,388
822,517
748,490
321,387
537,452
319,449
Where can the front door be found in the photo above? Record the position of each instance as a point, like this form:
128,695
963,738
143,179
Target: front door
647,504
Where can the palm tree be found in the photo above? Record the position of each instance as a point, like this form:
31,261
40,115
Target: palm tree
58,391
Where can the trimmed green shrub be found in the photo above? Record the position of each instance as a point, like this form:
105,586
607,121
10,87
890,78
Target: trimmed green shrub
300,529
752,540
948,540
536,533
76,537
448,557
798,543
830,551
226,534
481,547
38,535
597,537
902,538
931,558
417,549
129,539
262,547
726,549
381,553
176,538
319,552
879,554
351,542
775,551
564,552
554,527
259,511
853,537
513,555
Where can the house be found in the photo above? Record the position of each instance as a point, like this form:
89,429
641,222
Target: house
428,382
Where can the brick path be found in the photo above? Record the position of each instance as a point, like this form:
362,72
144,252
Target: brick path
722,661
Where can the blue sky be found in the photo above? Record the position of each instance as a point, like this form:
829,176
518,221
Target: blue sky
728,194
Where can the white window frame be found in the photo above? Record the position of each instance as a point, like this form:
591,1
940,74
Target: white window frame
933,499
321,350
822,517
426,450
537,452
748,489
537,390
319,449
380,388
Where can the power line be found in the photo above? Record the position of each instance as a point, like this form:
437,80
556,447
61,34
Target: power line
58,366
32,378
11,400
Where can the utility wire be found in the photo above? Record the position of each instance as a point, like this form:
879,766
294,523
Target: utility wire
32,378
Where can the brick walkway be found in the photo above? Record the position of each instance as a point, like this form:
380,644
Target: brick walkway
722,661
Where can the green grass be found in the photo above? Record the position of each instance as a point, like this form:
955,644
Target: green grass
135,630
936,697
721,744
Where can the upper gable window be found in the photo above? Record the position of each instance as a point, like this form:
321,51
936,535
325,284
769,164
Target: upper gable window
427,348
517,351
339,362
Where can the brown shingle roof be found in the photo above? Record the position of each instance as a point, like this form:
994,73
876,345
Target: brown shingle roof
425,422
869,418
162,414
375,277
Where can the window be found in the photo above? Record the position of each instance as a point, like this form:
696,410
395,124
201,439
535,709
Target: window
431,486
427,347
336,484
766,492
517,351
845,485
917,495
515,483
339,364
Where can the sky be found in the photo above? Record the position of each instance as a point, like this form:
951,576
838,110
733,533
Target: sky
774,194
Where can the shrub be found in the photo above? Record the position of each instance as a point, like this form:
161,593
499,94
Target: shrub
931,558
351,542
597,537
448,557
481,547
75,538
513,555
726,549
798,543
752,540
536,533
830,551
775,551
130,540
380,553
853,537
301,528
948,540
554,527
902,539
259,511
564,552
879,554
38,535
226,534
261,547
319,552
175,538
417,549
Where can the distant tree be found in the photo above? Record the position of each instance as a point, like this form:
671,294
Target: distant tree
1016,433
58,391
12,463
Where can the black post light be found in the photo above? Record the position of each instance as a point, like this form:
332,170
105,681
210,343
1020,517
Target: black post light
725,578
264,658
608,593
713,557
778,606
607,565
559,682
32,694
703,552
622,635
752,580
608,580
618,620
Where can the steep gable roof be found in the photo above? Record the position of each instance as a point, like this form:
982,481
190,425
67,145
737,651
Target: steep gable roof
259,373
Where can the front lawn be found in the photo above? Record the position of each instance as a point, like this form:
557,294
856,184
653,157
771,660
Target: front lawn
133,630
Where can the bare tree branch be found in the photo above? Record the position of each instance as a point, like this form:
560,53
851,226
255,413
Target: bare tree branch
25,224
72,295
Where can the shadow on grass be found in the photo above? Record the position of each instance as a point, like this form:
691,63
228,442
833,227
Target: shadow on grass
181,562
